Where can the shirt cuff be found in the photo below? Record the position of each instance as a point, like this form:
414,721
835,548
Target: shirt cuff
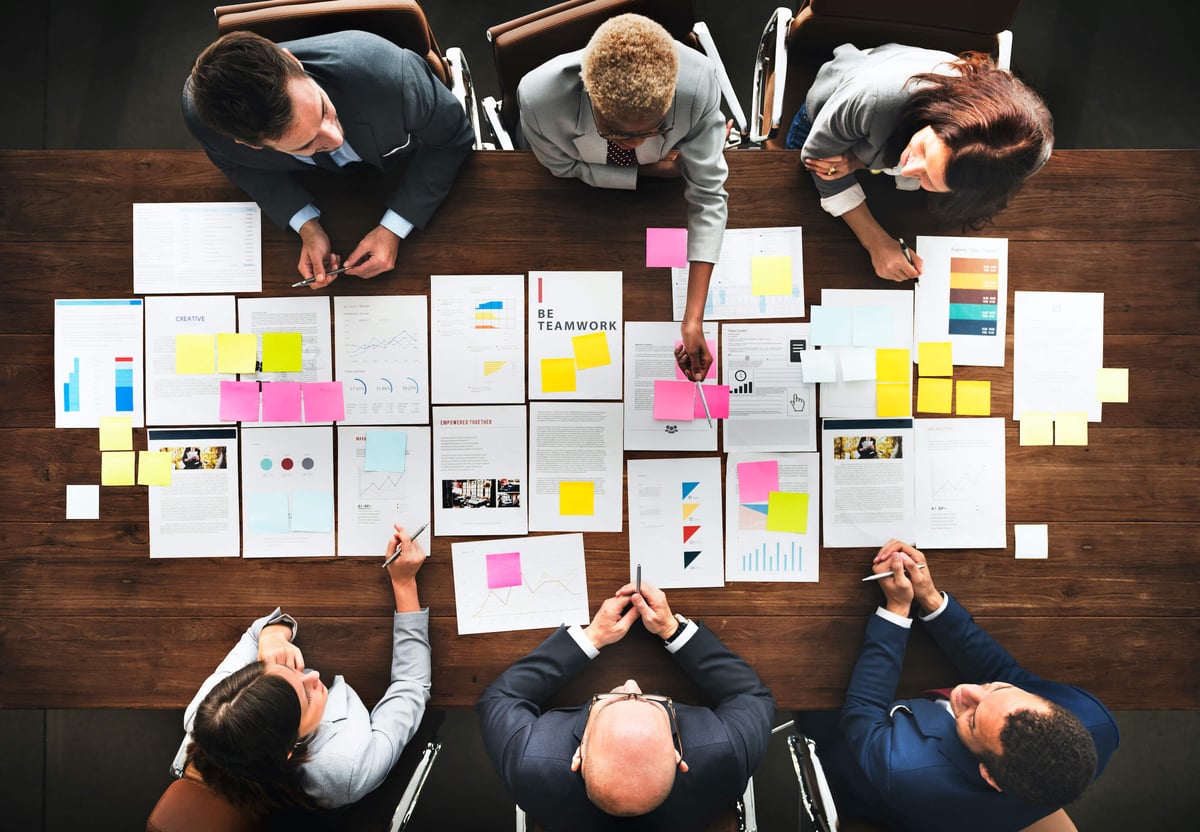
939,610
908,183
308,212
844,201
898,620
396,224
585,643
689,629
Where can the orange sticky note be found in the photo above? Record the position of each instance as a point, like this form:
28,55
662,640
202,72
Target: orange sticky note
974,398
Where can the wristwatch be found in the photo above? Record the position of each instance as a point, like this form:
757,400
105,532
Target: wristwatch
683,622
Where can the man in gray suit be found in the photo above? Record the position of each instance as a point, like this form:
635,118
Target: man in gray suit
634,103
341,102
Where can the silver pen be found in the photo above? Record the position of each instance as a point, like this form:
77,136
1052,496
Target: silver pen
704,401
879,576
400,546
308,281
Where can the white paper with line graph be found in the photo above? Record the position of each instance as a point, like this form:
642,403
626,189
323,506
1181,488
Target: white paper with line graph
959,487
381,349
522,583
369,502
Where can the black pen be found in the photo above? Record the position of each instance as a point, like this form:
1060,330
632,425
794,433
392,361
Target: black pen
400,546
907,254
639,580
308,281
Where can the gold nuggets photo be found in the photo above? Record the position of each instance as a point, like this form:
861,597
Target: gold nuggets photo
867,447
502,493
193,458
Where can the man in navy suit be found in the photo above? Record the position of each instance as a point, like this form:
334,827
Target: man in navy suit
341,102
627,760
996,755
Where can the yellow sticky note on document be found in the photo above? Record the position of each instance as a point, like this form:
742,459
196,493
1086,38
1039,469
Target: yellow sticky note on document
282,352
237,352
934,359
558,375
195,354
893,400
577,498
770,275
893,365
591,350
154,468
934,395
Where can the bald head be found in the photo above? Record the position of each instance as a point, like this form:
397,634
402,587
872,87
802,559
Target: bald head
628,757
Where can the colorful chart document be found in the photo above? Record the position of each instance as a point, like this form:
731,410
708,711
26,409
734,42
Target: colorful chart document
1058,345
374,494
770,406
287,492
575,326
753,550
182,329
759,274
520,584
477,338
308,316
960,481
189,247
382,356
962,297
867,480
97,362
479,470
870,320
197,515
650,357
575,466
675,521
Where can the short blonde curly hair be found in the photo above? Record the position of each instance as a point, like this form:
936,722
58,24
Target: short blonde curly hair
629,69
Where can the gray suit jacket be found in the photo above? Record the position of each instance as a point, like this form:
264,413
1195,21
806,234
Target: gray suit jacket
393,111
558,126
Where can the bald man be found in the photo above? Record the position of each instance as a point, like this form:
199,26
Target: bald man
627,759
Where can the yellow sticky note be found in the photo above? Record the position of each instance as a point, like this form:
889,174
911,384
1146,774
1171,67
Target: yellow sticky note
1070,428
116,433
787,512
116,468
591,350
577,498
893,400
934,395
770,275
281,352
934,359
892,365
974,398
195,354
1037,428
558,375
154,468
1112,384
237,352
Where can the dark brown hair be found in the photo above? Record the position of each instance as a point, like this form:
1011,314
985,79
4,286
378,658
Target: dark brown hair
1046,758
239,87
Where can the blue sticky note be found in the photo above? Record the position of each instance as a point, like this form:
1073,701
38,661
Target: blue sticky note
267,513
872,326
831,326
386,451
312,511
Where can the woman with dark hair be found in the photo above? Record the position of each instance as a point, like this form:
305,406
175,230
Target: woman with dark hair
266,734
959,127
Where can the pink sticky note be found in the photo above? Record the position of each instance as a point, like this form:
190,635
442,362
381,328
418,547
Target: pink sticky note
666,247
674,400
717,396
281,401
504,570
323,401
712,370
239,401
756,480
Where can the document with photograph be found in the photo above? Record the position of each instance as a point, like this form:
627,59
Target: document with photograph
960,483
479,471
194,247
759,274
287,492
477,338
182,385
575,466
877,319
97,362
196,516
770,406
308,316
575,335
675,521
962,297
649,357
381,349
867,480
383,478
771,519
1058,344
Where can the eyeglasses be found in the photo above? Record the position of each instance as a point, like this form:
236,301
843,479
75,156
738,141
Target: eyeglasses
664,701
661,130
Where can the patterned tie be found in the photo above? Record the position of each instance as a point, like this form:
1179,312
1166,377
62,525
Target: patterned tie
617,155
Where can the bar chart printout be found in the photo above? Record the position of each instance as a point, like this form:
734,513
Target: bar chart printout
98,360
755,548
974,282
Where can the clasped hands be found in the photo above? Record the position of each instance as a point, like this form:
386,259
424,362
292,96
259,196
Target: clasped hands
909,580
617,614
373,256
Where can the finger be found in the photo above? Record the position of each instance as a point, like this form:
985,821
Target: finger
631,615
299,658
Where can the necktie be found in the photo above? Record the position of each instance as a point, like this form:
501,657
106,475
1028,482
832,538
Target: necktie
617,155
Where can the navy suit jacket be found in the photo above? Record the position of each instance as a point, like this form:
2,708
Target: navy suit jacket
532,750
393,111
909,769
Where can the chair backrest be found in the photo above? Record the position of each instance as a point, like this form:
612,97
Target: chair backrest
525,43
400,21
190,806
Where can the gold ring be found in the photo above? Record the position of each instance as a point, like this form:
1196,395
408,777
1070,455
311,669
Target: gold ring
832,171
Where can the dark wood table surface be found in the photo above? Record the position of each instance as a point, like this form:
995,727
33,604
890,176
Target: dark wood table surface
88,620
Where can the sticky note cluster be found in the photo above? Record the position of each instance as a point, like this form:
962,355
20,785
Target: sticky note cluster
237,352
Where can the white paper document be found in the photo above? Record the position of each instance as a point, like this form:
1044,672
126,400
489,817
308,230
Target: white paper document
575,335
1058,344
675,521
184,398
307,315
520,584
197,515
867,481
650,356
890,316
962,297
477,338
381,351
287,492
377,489
770,406
479,472
759,274
760,546
960,483
575,464
190,247
97,362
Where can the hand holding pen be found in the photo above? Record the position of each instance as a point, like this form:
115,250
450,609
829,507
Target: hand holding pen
402,544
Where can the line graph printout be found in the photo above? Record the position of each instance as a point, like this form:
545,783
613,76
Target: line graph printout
477,338
752,552
370,501
523,583
381,351
962,297
959,489
759,274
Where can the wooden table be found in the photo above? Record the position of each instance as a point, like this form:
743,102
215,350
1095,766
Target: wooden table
87,620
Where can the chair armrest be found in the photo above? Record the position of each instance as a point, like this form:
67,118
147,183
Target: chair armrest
463,89
770,75
817,811
709,47
1004,41
491,109
412,792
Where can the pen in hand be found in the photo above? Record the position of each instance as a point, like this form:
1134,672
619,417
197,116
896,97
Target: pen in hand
879,576
906,252
704,401
308,281
400,546
639,580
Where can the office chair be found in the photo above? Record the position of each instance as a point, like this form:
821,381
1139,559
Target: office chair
527,42
402,22
793,48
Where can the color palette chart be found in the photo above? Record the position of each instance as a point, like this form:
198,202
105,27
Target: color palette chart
974,288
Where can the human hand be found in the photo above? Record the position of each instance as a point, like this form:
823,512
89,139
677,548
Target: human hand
651,604
315,257
275,647
889,262
919,575
834,167
692,355
375,254
412,555
611,622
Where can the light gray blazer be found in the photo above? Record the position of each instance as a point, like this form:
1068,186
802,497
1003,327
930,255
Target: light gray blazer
558,126
353,750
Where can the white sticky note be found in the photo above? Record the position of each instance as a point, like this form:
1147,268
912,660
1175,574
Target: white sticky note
858,363
819,365
1032,542
83,502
